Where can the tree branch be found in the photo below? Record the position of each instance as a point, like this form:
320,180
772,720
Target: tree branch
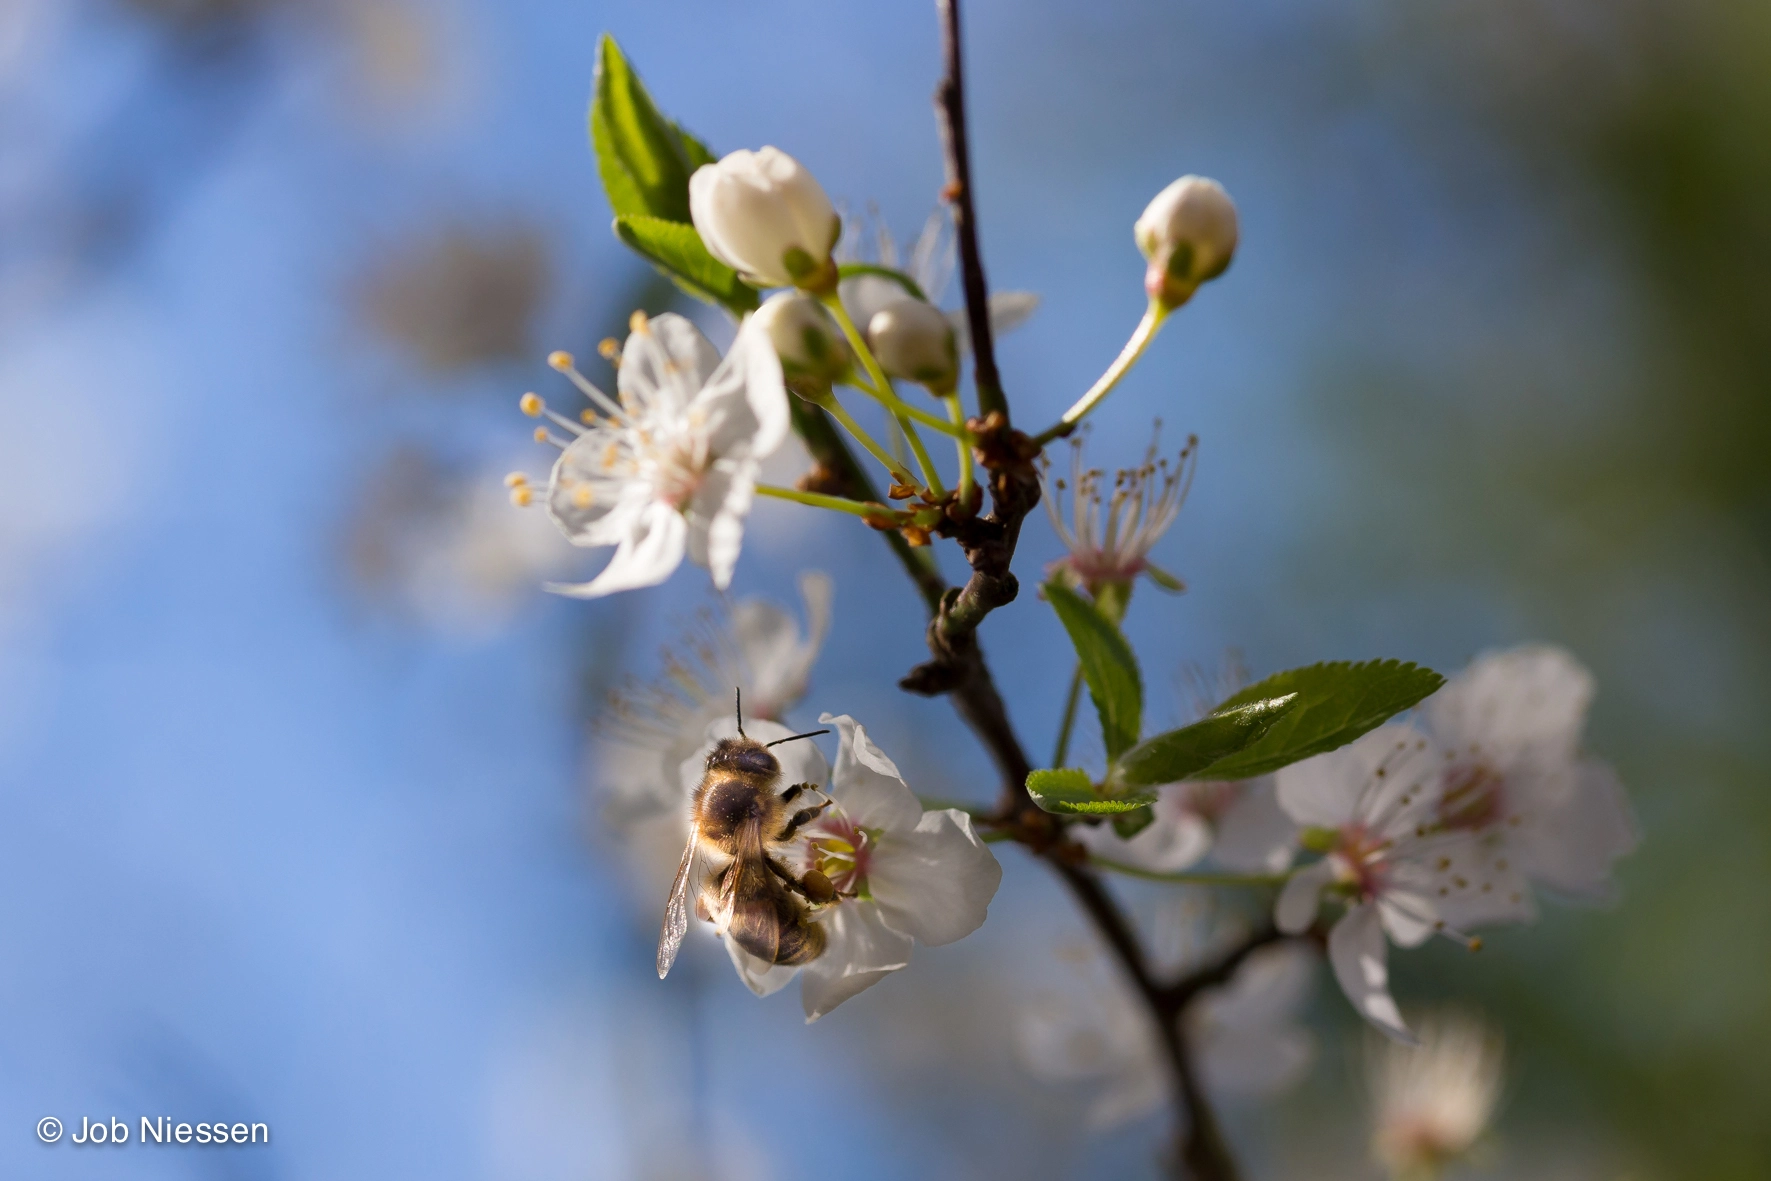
950,103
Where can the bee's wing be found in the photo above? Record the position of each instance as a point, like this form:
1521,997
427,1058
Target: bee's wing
752,915
676,910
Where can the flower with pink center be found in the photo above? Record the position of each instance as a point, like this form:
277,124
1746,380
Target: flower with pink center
1240,825
671,467
1516,779
904,876
1112,526
1371,808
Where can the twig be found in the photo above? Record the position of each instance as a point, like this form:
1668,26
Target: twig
950,102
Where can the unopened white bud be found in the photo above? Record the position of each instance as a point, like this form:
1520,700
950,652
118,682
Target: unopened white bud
805,337
767,218
1189,235
914,341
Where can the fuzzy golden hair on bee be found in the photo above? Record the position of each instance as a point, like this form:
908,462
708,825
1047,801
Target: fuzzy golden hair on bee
741,818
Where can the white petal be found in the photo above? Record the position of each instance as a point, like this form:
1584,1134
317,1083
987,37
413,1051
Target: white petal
646,556
614,502
867,784
935,882
1521,703
745,400
863,296
1011,309
1570,846
716,519
860,951
760,978
663,367
1359,954
1473,881
1409,916
1296,908
1255,835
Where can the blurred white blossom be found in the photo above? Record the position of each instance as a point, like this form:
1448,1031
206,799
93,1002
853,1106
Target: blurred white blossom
1516,779
650,729
1370,808
1188,234
903,876
672,469
765,216
1239,824
1432,1102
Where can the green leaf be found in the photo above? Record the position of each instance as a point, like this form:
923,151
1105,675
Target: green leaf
1336,704
1069,792
676,249
1107,665
644,159
1192,751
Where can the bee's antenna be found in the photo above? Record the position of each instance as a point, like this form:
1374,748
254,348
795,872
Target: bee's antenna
738,706
795,737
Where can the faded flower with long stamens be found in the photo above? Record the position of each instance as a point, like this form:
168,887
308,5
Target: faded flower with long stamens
1113,525
902,875
1370,809
671,468
1431,1103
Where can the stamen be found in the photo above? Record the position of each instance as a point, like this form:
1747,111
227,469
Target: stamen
543,435
522,495
562,361
610,351
562,420
515,480
639,324
531,404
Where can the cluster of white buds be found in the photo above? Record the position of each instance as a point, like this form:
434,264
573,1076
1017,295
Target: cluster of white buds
1188,234
765,216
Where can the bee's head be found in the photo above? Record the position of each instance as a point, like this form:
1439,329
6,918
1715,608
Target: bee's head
743,755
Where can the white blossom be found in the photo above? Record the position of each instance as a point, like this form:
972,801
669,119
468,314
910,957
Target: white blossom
1188,233
1371,807
1511,728
903,876
1245,1035
765,216
1112,527
806,339
1432,1102
650,730
672,468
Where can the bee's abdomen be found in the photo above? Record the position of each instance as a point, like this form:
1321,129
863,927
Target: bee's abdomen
801,943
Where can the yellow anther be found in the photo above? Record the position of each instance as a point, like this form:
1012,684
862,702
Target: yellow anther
522,496
560,359
1475,943
638,323
609,349
582,496
532,405
587,417
515,480
541,434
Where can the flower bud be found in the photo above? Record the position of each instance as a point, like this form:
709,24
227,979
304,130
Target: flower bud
914,341
767,218
808,341
1188,232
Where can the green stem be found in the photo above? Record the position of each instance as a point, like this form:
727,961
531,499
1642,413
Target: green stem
880,387
956,412
900,473
1134,348
849,270
841,504
1188,879
1069,723
929,472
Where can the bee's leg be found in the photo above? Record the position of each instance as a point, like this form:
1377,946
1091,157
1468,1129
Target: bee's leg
799,820
793,793
813,887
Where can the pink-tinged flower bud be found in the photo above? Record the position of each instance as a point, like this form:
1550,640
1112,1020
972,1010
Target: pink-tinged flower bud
762,214
805,337
914,340
1188,232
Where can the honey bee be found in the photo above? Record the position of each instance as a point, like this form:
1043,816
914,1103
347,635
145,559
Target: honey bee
753,899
